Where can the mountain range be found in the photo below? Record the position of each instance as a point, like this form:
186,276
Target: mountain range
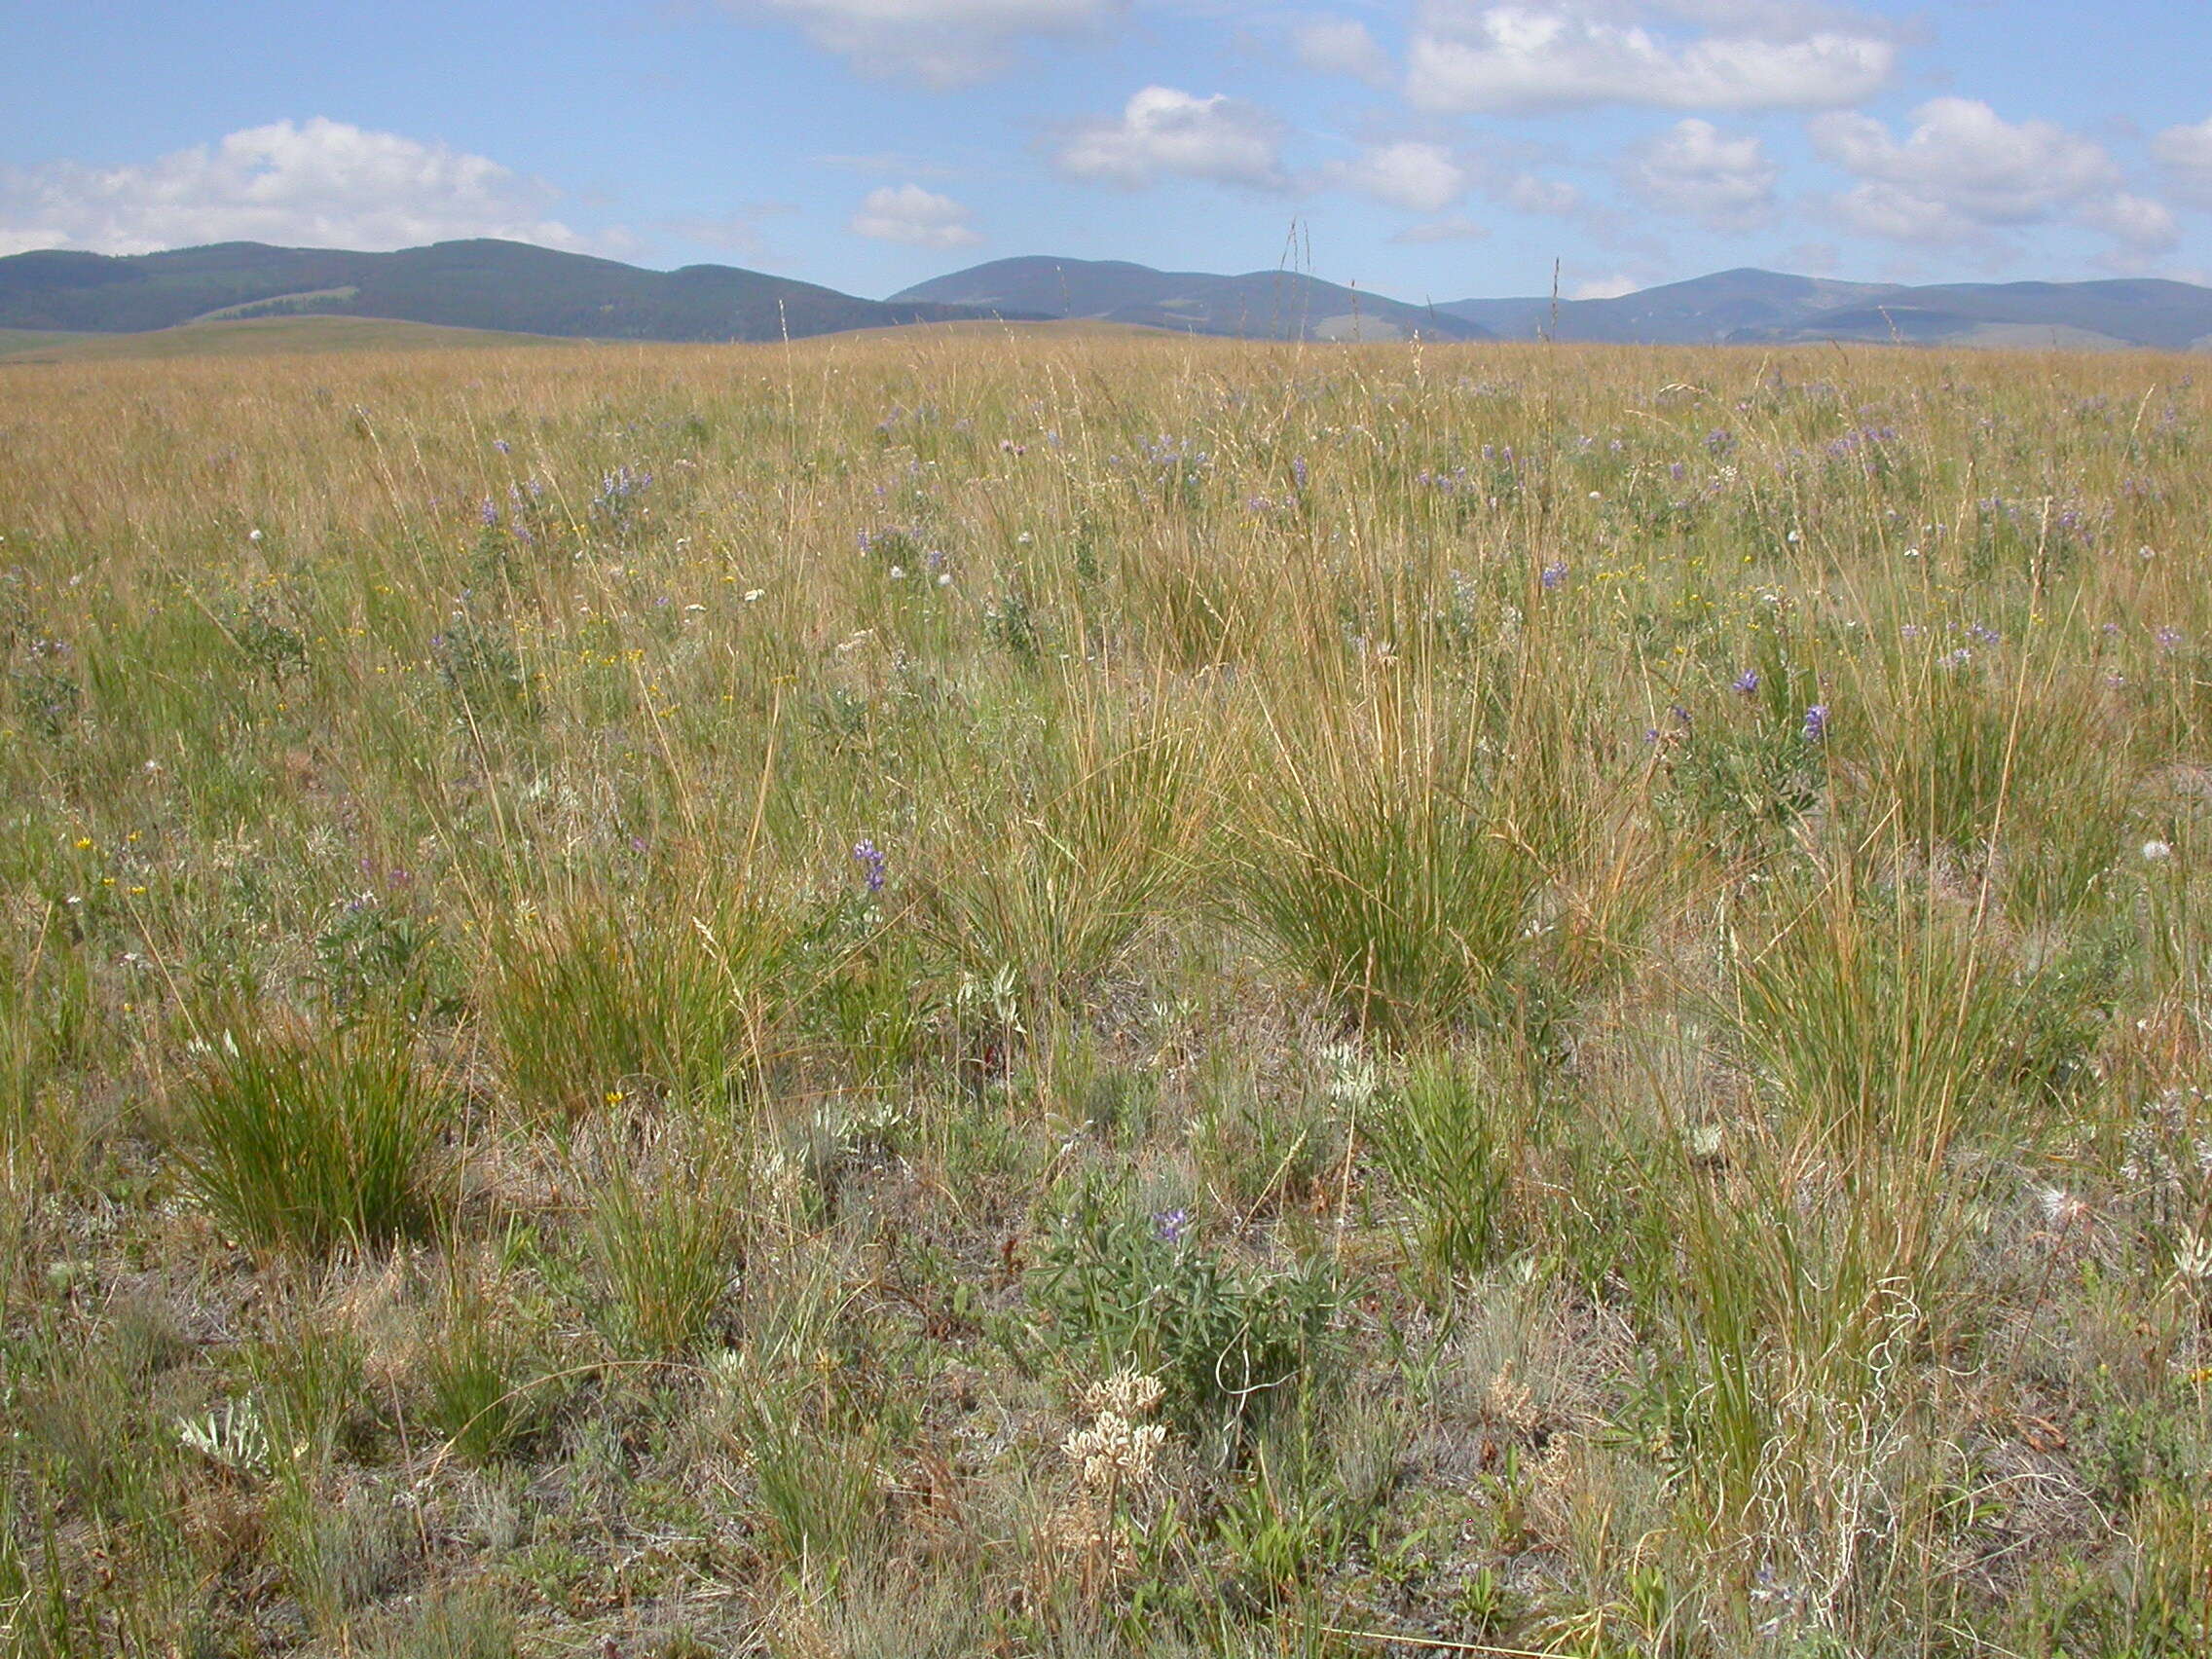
512,287
1261,305
1764,306
504,286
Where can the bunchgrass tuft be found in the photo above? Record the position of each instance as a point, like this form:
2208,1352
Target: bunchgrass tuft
1403,895
665,1248
305,1141
596,1003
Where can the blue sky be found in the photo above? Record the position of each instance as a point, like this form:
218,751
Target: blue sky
1427,149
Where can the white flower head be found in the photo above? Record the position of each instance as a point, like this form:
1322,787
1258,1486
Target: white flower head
1128,1393
1115,1452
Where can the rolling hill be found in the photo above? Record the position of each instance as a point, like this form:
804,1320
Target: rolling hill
483,284
236,295
1264,305
1764,306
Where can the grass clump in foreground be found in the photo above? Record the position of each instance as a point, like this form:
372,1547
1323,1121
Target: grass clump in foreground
1054,995
306,1142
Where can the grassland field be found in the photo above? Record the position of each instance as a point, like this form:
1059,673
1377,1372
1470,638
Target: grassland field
1043,993
256,336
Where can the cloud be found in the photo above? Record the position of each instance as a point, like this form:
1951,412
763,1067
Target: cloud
29,238
1341,46
1695,169
921,218
313,184
1605,287
2138,223
941,43
1963,173
1423,178
1558,54
1163,133
2184,154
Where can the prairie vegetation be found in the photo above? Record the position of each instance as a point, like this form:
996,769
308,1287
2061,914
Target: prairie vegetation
1029,994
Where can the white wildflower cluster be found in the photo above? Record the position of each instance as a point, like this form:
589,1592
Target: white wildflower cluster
1115,1461
1119,1451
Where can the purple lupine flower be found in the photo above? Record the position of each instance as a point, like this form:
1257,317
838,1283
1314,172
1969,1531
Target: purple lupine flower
871,862
1169,1225
1298,471
1816,723
1746,683
2168,638
1554,574
489,513
503,446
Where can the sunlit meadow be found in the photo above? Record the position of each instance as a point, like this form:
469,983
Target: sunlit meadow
1069,994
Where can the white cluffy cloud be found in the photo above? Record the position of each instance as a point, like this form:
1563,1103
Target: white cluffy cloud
1725,181
922,218
2138,223
1163,132
1423,178
1964,172
941,43
311,184
2185,153
1529,55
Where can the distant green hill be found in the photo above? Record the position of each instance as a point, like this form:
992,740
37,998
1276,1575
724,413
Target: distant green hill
47,297
1260,304
483,284
1766,307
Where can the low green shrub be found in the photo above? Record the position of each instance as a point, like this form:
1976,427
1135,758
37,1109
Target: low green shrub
1231,1344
